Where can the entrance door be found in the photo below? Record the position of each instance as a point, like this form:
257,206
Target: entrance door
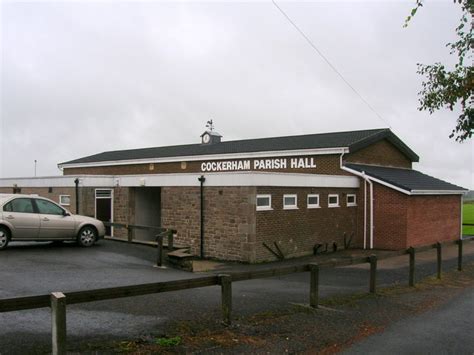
104,207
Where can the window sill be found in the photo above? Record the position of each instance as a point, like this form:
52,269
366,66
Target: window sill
352,205
265,209
290,208
310,207
334,206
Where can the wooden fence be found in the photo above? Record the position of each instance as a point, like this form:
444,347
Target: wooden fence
169,233
58,301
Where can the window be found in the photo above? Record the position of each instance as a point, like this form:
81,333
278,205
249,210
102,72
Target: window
19,205
290,202
46,207
333,200
351,200
264,202
313,201
64,200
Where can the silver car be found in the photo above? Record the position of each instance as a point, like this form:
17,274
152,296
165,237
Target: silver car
34,218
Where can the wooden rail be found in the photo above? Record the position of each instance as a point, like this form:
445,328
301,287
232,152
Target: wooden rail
57,301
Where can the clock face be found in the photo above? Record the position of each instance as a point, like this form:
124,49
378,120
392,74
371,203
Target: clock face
206,138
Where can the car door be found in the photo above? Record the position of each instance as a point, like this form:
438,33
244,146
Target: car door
20,213
55,223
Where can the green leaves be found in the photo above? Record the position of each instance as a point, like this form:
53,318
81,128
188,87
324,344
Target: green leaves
444,88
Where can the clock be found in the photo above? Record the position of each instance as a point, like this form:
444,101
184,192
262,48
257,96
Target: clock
206,138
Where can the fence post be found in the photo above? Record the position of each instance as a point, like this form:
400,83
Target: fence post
373,272
438,255
314,285
58,323
159,251
411,281
129,233
460,255
226,294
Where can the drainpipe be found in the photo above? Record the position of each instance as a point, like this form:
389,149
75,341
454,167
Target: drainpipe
371,193
77,195
201,180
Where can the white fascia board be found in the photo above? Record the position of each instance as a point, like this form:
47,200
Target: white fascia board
438,192
59,181
406,192
252,155
240,179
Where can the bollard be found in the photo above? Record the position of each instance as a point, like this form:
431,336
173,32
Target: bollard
129,233
58,323
373,272
460,241
438,255
411,281
314,285
226,295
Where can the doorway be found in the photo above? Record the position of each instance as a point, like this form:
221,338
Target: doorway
104,208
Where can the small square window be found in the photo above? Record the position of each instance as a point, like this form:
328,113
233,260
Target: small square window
264,202
313,201
290,202
333,200
65,200
351,200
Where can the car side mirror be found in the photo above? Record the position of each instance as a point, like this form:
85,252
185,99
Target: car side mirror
66,213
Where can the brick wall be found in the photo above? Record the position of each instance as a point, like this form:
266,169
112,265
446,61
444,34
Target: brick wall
433,219
390,218
229,220
297,231
381,153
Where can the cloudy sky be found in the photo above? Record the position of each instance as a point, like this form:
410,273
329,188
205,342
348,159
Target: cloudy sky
82,77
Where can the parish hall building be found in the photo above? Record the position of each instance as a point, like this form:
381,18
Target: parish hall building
232,197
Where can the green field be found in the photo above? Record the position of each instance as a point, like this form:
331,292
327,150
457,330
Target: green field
468,217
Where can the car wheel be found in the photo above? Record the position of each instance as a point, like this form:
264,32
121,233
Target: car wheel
4,237
87,236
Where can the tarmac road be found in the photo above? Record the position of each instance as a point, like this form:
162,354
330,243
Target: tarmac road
447,330
43,268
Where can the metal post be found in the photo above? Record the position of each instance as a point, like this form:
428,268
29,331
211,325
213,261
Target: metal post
226,295
373,273
438,254
314,285
460,241
411,281
201,181
58,323
129,233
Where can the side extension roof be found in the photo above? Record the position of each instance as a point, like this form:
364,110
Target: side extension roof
409,181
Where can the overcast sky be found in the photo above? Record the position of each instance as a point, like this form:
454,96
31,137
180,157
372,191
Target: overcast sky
83,77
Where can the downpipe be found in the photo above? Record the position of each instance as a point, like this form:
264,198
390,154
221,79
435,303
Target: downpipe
201,181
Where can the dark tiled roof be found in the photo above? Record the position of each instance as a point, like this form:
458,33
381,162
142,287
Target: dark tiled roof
406,179
354,140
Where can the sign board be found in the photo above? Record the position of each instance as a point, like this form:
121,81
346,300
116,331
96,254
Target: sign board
258,164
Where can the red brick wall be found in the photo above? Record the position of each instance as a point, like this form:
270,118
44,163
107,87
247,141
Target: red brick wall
433,219
381,153
390,218
297,231
229,220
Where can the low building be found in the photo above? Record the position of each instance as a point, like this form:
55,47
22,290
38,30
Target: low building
229,198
